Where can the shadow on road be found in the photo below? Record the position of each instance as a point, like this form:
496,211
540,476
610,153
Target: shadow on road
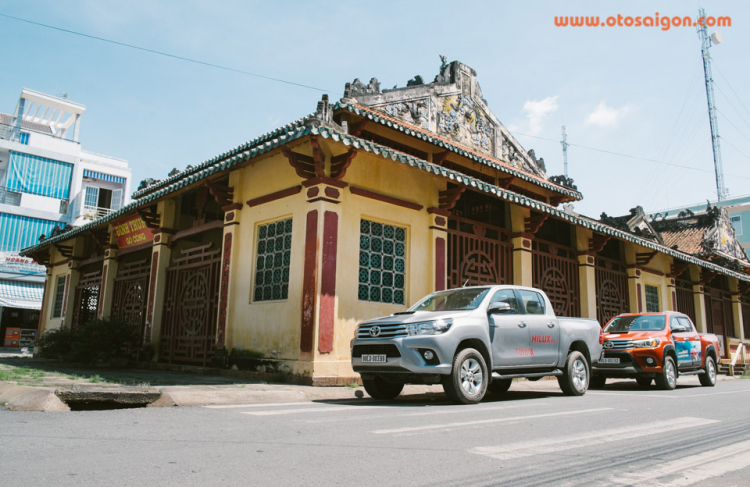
632,385
438,399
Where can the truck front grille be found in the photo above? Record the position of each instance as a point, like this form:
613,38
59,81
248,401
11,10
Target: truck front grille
618,344
389,350
387,330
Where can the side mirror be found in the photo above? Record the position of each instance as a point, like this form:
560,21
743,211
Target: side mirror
498,307
679,329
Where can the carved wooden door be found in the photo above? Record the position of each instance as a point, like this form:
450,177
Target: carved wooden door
478,254
190,311
129,295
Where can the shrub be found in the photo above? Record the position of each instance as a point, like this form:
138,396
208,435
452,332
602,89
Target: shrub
104,339
55,343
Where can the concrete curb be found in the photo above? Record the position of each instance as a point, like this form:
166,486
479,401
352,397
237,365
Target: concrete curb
23,398
184,398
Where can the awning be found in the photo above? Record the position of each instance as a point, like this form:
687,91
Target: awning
103,177
18,294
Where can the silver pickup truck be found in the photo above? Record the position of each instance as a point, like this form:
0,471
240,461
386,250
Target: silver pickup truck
472,339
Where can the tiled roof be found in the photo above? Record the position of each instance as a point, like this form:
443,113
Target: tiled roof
419,133
687,240
233,158
284,129
194,175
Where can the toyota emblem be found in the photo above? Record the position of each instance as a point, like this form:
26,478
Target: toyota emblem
609,344
375,331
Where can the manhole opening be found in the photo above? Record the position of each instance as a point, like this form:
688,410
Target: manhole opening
102,405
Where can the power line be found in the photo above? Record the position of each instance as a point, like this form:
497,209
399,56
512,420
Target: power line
626,155
730,87
735,148
726,119
739,114
166,54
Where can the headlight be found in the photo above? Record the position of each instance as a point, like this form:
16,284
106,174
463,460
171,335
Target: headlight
429,327
647,343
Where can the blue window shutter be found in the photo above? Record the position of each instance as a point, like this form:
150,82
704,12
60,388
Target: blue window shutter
38,175
18,232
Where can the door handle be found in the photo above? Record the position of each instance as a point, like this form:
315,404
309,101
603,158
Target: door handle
550,325
522,325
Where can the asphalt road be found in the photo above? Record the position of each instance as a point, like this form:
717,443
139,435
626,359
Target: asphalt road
621,435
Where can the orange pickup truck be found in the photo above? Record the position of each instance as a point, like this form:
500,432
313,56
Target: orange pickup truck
660,346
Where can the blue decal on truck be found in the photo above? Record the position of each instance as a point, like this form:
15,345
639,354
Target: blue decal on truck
683,352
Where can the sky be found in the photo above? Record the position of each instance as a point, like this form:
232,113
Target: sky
635,92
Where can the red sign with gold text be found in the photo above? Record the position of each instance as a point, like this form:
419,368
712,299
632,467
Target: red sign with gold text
132,231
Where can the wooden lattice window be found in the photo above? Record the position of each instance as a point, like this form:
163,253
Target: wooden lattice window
382,262
59,296
274,251
652,299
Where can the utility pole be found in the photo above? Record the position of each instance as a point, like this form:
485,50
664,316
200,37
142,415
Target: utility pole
706,42
565,145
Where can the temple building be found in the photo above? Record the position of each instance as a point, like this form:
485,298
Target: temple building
268,255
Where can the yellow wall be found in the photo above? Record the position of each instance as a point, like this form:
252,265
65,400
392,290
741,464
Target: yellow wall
267,325
660,263
392,179
48,322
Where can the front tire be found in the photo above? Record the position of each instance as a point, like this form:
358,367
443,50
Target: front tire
708,377
467,382
575,378
378,388
667,380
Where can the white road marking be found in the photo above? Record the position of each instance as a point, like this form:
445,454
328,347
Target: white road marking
484,421
259,405
280,412
551,445
692,469
630,395
668,396
432,411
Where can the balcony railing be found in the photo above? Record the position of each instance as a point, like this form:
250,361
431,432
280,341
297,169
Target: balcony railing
94,212
13,197
11,132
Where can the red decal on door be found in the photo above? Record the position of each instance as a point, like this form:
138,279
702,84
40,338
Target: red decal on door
542,339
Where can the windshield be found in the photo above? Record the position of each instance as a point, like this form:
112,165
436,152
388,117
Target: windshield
625,324
453,300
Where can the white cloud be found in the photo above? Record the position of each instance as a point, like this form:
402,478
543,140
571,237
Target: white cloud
537,111
605,116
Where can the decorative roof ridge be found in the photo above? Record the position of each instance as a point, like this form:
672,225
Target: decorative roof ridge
246,145
460,150
511,196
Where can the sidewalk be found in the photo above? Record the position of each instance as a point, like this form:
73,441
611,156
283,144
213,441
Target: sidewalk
28,384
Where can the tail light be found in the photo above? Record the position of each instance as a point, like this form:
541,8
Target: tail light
601,337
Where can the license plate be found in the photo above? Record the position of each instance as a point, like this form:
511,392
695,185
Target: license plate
373,359
609,361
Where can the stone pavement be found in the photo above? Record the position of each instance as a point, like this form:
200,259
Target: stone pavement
56,386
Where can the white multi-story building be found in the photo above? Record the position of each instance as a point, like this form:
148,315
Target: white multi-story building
46,180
